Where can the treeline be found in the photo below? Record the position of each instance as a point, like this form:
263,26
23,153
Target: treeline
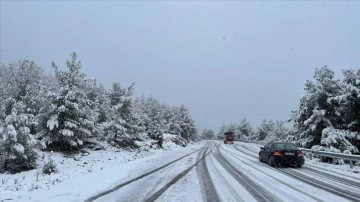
65,111
328,116
268,130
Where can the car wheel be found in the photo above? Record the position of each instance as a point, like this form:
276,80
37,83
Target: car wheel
271,161
260,158
298,165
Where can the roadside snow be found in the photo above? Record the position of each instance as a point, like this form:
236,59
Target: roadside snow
83,175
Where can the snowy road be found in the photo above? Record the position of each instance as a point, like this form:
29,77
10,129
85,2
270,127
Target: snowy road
219,172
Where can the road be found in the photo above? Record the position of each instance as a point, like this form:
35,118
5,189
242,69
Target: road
219,172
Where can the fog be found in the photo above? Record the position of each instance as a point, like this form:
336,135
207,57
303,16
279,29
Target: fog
223,60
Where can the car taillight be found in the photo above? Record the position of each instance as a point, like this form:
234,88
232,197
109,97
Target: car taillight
277,153
300,153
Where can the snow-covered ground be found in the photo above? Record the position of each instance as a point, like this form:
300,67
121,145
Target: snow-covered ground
81,177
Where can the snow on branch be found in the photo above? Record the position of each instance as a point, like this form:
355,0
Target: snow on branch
332,137
52,122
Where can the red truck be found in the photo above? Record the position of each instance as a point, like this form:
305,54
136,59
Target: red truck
229,138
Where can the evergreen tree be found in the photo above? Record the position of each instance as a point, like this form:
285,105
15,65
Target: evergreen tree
155,123
17,141
221,132
66,122
244,129
315,113
264,131
22,81
121,128
348,109
175,121
99,103
207,134
187,125
231,127
280,130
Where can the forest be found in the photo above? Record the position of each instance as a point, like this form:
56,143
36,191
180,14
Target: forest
69,110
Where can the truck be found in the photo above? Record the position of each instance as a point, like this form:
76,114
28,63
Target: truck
229,138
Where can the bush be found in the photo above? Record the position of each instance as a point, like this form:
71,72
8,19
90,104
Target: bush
124,143
49,167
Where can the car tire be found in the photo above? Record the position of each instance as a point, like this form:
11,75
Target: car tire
271,161
298,165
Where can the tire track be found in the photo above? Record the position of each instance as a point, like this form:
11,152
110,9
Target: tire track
156,195
225,185
206,184
101,194
257,191
322,185
331,177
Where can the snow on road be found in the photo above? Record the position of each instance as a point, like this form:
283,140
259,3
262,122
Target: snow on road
205,171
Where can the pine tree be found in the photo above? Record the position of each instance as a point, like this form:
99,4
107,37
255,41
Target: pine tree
280,130
244,129
99,105
348,109
66,122
121,128
155,123
207,134
264,130
17,141
315,113
187,125
221,132
22,81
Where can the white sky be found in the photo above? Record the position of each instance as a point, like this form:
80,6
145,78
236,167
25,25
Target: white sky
223,60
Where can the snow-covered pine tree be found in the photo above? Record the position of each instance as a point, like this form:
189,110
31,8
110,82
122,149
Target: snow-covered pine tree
17,141
220,134
315,112
168,119
156,118
66,122
173,120
155,123
187,124
99,105
141,117
350,100
22,81
347,110
244,129
264,131
207,134
120,129
280,130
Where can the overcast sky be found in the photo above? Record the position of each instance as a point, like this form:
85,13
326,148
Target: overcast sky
223,60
